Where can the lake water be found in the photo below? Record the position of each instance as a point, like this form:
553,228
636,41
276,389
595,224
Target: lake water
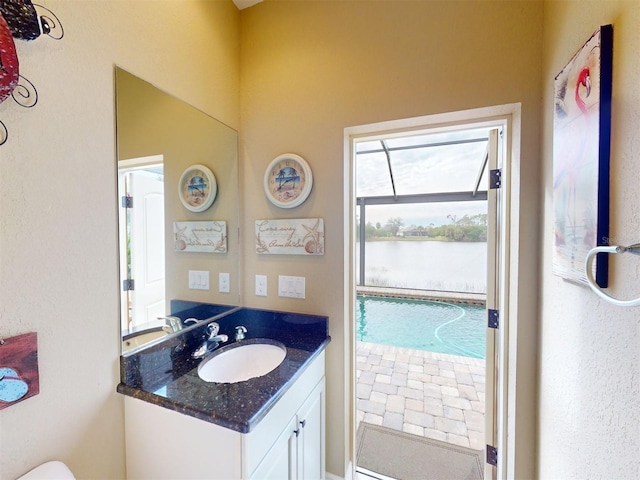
426,265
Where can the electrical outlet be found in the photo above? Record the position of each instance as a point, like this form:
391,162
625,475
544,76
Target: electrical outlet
261,285
223,283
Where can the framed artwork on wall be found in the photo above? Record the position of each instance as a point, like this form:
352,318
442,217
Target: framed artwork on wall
581,149
19,377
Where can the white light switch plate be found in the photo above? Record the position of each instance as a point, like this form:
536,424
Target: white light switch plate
198,279
292,287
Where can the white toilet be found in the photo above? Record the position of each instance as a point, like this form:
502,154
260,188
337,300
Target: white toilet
49,471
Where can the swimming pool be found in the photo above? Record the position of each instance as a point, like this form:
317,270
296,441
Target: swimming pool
457,329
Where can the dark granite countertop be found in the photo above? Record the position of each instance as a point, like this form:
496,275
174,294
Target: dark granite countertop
166,375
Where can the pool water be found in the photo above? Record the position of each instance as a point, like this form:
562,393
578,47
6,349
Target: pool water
457,329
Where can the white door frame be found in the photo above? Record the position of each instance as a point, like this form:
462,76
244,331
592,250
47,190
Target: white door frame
508,117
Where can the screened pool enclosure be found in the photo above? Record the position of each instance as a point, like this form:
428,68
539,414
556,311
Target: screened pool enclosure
422,210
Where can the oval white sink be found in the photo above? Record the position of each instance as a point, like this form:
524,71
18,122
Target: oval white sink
244,362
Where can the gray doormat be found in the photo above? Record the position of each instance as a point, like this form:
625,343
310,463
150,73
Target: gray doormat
410,457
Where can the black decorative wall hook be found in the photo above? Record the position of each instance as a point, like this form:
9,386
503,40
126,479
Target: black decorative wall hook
50,24
4,134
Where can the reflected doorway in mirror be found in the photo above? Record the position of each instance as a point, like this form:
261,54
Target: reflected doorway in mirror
141,188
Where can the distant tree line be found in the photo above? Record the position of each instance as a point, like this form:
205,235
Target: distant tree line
469,228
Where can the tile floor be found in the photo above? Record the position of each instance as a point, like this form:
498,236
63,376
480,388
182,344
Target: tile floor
430,394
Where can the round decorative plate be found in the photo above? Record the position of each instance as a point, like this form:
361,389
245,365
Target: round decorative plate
197,188
288,180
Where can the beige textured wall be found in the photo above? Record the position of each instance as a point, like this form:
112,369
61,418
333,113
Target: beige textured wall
589,350
310,69
58,257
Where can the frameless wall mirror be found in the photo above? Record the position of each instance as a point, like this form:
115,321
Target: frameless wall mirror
172,257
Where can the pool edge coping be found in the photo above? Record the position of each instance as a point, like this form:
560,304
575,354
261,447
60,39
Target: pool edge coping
435,295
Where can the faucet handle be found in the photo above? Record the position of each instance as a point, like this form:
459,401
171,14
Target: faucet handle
212,329
189,320
240,331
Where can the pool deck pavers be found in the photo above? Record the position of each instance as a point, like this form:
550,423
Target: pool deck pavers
434,395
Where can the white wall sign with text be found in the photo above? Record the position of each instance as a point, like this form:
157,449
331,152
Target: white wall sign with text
200,236
303,236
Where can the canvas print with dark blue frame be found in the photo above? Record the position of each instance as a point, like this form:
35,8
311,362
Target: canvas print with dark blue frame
581,151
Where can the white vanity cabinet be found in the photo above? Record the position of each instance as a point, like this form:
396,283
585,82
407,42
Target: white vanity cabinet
298,453
288,443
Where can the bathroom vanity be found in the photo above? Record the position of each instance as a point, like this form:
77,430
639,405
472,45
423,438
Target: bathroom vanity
177,424
272,426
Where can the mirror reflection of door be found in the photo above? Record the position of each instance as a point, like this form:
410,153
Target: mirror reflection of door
142,239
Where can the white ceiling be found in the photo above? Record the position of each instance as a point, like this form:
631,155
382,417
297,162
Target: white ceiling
245,3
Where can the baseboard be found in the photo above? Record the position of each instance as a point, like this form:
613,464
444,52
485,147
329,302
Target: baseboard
364,474
348,474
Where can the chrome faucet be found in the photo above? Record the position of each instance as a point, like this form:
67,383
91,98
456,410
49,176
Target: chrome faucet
173,324
212,340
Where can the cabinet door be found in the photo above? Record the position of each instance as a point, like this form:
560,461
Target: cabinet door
311,422
280,462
